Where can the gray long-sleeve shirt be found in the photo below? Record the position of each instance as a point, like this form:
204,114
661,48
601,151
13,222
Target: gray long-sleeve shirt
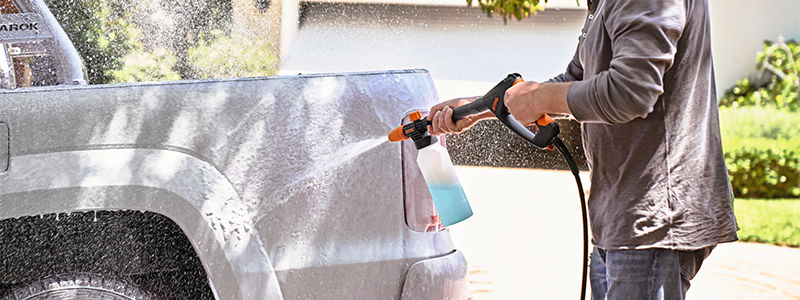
643,89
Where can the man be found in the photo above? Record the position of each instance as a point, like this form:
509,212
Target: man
642,84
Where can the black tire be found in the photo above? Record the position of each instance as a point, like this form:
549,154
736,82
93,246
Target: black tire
79,286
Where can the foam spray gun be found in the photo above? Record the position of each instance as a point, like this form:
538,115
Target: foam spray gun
438,170
434,161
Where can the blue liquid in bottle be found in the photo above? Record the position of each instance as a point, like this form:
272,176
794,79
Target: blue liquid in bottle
450,202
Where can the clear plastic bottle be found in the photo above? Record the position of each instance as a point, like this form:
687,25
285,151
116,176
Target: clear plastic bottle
440,175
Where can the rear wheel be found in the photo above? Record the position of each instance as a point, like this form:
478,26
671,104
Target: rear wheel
79,286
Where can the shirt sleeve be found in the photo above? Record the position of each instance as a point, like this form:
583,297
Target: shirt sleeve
574,71
644,35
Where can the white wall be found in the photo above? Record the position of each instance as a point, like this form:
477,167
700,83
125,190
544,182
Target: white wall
738,28
556,4
291,13
450,41
465,51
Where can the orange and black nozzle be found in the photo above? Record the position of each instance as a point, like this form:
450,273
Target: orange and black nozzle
547,128
417,131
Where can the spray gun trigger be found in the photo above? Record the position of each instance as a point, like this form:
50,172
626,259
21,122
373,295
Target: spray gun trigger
415,116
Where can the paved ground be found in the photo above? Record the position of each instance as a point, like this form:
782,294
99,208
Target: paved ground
749,271
524,242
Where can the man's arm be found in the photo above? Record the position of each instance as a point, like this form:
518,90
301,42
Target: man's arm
644,36
529,100
550,97
538,99
443,125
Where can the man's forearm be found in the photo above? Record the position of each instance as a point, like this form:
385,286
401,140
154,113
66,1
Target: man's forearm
553,98
528,101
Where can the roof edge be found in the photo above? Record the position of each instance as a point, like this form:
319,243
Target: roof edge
551,4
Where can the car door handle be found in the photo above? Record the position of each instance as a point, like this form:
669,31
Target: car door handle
4,147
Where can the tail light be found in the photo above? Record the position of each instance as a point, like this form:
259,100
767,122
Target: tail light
420,212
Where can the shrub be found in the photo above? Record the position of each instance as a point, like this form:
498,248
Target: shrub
223,56
778,83
101,36
510,8
761,147
143,66
764,173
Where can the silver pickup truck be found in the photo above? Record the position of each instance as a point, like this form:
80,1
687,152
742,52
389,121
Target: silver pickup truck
256,188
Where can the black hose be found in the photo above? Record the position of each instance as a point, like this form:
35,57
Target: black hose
574,168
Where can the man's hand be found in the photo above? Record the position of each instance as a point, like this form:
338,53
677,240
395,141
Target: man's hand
442,117
521,103
528,101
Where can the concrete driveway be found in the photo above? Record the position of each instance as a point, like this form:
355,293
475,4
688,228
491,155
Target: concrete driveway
524,242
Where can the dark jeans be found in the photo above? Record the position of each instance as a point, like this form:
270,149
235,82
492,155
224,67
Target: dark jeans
656,274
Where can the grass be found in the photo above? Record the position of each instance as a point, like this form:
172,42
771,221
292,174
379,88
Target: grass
759,122
759,127
732,144
773,221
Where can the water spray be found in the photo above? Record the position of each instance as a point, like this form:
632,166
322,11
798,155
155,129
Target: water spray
438,170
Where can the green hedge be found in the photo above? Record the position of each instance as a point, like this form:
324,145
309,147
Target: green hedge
762,150
764,173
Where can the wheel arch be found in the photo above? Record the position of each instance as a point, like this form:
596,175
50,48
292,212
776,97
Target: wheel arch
190,192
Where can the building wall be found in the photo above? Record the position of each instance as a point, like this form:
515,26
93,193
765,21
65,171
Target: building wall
467,52
738,28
